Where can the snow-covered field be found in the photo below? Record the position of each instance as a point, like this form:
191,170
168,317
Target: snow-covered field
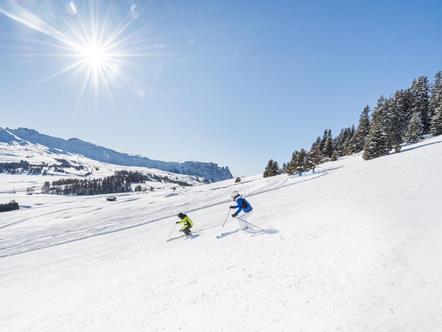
355,247
36,154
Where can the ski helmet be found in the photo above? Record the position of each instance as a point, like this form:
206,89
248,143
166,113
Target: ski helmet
235,195
181,215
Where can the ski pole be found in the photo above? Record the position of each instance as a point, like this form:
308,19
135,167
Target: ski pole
227,217
170,234
251,224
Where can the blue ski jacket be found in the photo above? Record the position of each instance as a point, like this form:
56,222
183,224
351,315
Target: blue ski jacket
242,205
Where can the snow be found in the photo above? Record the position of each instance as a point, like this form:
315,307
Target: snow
29,137
354,247
37,154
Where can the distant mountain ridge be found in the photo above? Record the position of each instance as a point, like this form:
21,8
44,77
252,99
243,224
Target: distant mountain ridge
210,171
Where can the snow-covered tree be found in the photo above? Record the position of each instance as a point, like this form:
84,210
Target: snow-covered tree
436,105
392,121
402,105
342,142
377,143
436,93
348,147
436,121
323,139
362,131
420,101
415,128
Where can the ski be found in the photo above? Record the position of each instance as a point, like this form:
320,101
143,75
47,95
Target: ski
220,236
175,238
190,236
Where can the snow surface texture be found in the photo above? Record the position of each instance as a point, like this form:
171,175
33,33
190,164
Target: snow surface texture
355,247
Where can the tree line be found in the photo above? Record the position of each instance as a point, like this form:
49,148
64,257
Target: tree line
12,205
24,167
405,117
120,182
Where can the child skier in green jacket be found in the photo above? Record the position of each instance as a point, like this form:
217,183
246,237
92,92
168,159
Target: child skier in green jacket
186,222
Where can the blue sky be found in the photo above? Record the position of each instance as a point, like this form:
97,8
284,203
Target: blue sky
235,82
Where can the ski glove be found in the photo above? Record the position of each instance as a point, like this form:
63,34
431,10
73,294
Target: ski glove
232,207
234,215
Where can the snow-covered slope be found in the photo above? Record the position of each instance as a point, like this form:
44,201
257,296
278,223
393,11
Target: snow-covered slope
23,136
45,164
355,247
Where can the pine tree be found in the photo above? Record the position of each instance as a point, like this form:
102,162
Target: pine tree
342,142
309,162
327,150
392,119
323,139
436,122
420,101
268,169
46,188
292,165
276,169
402,105
377,143
272,169
436,105
362,132
339,142
301,162
348,142
315,151
415,128
436,94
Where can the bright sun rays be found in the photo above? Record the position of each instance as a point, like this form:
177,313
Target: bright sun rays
91,41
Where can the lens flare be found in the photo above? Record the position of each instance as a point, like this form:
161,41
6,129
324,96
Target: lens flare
101,48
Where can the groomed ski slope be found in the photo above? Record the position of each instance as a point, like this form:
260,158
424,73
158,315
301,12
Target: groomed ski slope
356,247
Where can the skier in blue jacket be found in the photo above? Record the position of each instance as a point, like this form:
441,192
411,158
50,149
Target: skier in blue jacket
244,209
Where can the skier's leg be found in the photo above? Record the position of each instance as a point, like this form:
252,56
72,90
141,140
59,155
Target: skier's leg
242,220
186,230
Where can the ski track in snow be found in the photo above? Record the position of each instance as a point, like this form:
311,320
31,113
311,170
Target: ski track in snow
39,238
354,248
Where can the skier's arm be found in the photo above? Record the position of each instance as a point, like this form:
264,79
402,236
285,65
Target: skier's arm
239,207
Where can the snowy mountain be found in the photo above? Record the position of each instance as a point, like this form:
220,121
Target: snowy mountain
353,247
27,166
22,136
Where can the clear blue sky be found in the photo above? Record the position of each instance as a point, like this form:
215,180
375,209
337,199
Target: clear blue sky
237,82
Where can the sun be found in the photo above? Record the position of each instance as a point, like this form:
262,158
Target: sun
104,49
98,61
94,56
